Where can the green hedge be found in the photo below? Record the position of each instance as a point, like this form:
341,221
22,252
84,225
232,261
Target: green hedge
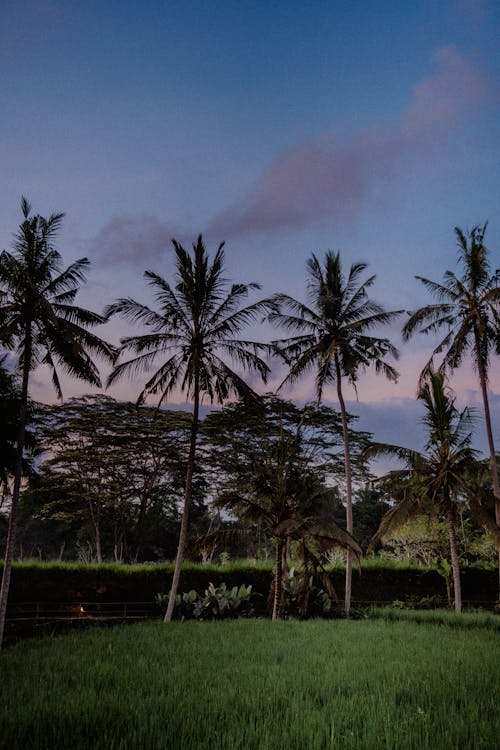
73,582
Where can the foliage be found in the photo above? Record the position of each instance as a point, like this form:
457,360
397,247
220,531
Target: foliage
195,333
431,482
196,326
40,322
217,603
334,338
424,540
10,401
236,439
367,511
333,335
377,581
298,589
124,470
282,487
37,316
468,307
480,498
421,539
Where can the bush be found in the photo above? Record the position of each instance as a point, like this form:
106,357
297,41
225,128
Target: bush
218,603
303,598
75,582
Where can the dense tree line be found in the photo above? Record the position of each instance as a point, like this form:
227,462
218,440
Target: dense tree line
110,476
194,337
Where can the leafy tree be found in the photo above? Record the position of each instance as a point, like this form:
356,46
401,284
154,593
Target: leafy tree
48,525
40,322
367,512
126,465
284,492
468,308
197,327
333,337
274,460
432,482
481,500
234,437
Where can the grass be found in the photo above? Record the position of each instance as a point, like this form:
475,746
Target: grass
253,685
145,567
372,561
474,620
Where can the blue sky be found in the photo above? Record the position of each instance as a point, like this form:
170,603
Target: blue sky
284,128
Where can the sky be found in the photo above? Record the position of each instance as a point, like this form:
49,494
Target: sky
283,128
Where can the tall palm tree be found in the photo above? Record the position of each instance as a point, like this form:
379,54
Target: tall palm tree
333,338
39,320
196,328
432,481
468,308
282,489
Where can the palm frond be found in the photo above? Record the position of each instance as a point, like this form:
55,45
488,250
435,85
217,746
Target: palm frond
135,312
378,450
397,516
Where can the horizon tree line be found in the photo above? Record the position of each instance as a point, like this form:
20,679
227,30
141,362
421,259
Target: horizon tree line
197,331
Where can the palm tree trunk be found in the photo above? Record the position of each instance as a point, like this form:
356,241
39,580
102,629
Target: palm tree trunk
187,502
348,487
98,547
491,446
455,566
16,490
278,581
96,529
489,431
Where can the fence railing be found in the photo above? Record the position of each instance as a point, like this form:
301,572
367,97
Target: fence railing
46,611
40,612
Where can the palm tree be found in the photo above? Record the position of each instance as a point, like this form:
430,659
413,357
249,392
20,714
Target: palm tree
39,321
333,337
284,493
468,308
431,482
198,324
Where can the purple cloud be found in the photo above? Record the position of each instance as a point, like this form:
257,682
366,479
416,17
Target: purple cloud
133,239
331,177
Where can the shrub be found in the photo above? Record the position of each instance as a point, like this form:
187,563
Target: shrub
218,603
378,584
303,598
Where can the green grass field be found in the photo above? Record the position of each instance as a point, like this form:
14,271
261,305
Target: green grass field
254,684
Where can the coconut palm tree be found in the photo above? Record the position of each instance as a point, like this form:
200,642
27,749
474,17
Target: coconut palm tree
431,482
468,308
284,493
334,339
40,322
196,328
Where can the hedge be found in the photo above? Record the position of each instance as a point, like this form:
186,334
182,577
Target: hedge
75,582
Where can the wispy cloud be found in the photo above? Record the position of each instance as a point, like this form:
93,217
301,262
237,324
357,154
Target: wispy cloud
331,177
133,239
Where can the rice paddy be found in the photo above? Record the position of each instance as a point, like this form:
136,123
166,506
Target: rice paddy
254,685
